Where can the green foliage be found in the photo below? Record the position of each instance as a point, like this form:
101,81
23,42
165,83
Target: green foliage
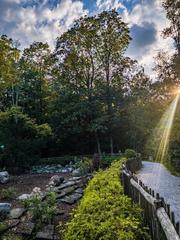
85,165
42,211
11,237
7,193
22,137
3,227
104,212
129,153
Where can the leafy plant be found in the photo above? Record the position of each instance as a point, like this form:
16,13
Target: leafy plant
105,213
3,227
8,193
42,211
11,237
129,153
85,165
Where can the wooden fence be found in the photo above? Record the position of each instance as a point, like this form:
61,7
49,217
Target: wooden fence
157,214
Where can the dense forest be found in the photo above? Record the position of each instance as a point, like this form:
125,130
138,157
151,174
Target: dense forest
86,95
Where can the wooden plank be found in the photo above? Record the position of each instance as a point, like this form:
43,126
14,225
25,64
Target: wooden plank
166,225
146,195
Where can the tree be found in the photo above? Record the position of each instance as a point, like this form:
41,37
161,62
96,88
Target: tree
9,74
22,138
36,66
96,44
172,8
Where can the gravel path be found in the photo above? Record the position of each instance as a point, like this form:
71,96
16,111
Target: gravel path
157,177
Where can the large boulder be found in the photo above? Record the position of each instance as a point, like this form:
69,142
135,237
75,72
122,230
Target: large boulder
4,177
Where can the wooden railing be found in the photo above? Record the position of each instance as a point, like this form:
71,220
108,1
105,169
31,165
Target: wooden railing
157,214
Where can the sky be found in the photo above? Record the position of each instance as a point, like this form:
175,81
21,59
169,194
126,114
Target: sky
43,20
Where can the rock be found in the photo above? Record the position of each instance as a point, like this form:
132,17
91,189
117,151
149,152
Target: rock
4,209
56,180
79,190
16,213
24,228
66,184
24,196
65,191
4,177
76,172
74,178
71,199
46,233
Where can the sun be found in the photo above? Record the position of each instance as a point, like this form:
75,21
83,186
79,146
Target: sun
177,91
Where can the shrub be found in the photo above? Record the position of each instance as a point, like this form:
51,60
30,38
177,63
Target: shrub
8,193
129,153
22,138
42,211
104,212
85,165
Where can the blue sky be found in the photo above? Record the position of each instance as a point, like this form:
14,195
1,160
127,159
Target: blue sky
44,20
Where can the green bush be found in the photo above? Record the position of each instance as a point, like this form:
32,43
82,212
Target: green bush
42,211
22,138
129,153
8,193
104,212
85,165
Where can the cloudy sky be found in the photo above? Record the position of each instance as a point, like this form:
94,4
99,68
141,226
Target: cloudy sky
44,20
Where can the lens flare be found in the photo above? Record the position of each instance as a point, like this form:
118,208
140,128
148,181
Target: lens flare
177,91
159,143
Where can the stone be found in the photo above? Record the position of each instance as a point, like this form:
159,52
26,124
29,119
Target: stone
76,172
46,233
4,209
66,184
16,213
71,199
25,228
65,191
79,190
4,177
56,180
24,196
74,178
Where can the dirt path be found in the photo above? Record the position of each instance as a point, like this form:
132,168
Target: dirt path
157,177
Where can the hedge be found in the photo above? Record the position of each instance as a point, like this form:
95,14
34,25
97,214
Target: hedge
104,213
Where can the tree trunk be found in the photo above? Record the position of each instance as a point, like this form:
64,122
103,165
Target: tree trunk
111,145
98,145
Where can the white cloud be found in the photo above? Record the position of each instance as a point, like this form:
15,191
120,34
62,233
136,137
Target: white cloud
153,13
103,5
37,21
34,20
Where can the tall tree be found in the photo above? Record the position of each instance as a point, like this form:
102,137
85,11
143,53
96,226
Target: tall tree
96,44
9,72
36,66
